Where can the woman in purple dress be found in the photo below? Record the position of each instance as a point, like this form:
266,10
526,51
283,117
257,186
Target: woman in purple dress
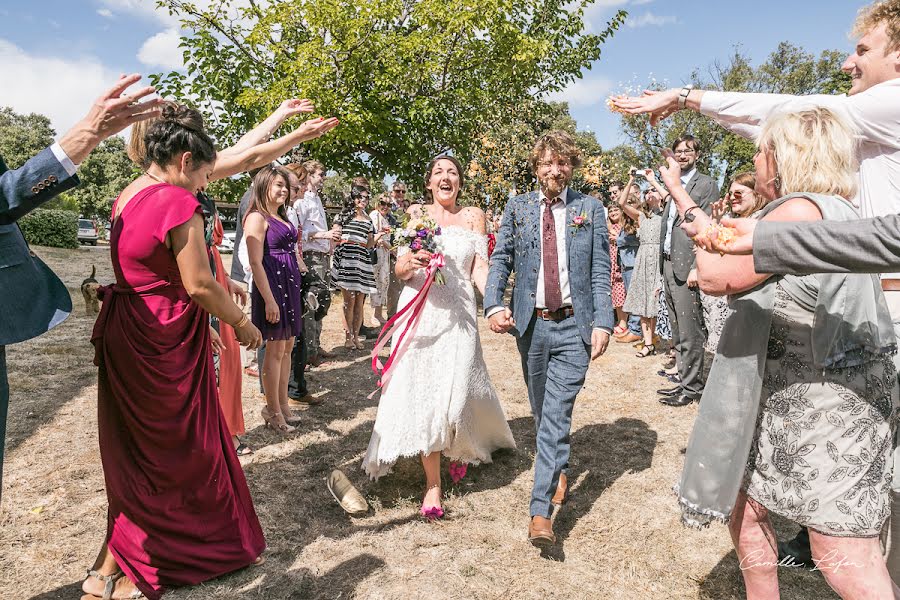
276,306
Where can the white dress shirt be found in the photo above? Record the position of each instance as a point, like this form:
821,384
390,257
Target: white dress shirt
311,214
875,113
63,158
670,223
562,259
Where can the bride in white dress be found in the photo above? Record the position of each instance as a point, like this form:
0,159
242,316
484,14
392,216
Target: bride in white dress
439,398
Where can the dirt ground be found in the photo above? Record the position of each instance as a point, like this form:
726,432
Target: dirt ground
619,535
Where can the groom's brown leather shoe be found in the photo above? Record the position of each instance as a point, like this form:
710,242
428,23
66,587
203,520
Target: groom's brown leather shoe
540,531
562,491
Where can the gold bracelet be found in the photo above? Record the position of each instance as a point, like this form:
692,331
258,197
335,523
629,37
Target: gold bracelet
240,323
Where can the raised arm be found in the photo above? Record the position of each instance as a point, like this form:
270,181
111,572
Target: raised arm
263,154
262,132
629,210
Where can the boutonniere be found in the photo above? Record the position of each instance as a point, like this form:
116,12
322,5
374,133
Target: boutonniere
579,221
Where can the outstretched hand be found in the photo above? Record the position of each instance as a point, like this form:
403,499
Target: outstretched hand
293,106
315,128
671,171
502,321
659,104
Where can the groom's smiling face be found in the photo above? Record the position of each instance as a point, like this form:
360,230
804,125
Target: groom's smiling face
554,172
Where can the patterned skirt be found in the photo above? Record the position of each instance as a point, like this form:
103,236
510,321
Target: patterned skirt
822,455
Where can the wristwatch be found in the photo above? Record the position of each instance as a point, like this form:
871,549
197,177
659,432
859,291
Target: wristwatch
688,217
683,96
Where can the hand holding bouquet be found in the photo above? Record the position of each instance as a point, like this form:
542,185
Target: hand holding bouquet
421,234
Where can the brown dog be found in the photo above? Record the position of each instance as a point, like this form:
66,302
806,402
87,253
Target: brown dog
89,290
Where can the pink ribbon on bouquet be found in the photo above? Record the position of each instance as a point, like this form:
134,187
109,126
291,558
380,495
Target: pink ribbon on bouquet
409,315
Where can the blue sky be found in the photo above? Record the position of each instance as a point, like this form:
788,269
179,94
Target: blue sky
57,55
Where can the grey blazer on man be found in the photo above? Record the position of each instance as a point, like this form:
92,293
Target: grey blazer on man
703,190
864,246
518,250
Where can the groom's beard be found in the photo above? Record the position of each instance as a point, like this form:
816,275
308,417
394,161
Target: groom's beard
553,186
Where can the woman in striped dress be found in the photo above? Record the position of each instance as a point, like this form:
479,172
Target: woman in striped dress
352,270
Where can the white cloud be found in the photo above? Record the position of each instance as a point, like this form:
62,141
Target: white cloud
649,18
162,50
76,84
145,8
640,2
105,13
583,92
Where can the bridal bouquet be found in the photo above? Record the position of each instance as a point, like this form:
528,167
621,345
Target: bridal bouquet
421,234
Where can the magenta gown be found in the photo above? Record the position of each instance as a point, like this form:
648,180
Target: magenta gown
180,510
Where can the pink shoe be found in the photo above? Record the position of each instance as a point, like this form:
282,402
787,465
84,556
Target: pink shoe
432,513
457,471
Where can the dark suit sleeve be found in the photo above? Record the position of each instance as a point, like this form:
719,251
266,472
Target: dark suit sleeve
600,271
865,246
40,179
706,193
502,260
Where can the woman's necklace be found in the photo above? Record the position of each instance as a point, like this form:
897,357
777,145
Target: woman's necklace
152,176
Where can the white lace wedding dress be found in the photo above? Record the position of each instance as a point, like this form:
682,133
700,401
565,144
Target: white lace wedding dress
439,396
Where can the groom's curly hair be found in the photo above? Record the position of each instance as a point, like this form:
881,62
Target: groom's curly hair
559,143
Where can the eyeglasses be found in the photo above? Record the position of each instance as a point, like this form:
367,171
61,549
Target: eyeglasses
738,194
562,164
688,151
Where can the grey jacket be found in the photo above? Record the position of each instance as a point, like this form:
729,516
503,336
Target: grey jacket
518,250
864,246
704,191
33,298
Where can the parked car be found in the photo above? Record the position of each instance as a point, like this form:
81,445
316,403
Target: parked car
87,232
227,245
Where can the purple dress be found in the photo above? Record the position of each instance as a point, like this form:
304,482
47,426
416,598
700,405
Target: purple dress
280,264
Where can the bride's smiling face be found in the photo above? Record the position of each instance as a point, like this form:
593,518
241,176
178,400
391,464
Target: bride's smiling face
444,182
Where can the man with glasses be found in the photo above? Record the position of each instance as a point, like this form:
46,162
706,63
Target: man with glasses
678,267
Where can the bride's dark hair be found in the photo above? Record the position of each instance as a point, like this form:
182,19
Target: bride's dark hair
426,195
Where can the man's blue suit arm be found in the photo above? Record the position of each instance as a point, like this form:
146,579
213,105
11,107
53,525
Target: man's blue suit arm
40,179
502,259
600,272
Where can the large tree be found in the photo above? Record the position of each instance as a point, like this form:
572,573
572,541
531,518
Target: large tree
23,136
408,78
788,70
104,174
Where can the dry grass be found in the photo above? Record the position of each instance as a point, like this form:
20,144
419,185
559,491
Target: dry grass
620,536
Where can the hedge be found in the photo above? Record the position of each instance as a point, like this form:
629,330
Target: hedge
48,227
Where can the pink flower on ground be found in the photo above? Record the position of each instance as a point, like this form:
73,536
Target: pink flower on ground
457,471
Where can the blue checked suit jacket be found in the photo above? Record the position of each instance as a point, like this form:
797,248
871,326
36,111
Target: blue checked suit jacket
32,298
518,251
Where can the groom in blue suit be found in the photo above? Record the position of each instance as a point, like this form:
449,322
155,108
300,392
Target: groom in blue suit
34,299
555,240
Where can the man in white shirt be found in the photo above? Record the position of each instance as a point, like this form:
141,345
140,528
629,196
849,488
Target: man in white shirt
317,241
872,106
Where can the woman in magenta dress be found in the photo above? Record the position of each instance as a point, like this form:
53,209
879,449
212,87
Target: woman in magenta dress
179,508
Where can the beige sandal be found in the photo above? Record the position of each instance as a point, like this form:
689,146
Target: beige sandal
274,426
110,584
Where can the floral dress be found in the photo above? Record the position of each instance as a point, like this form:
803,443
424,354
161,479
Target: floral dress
615,273
822,451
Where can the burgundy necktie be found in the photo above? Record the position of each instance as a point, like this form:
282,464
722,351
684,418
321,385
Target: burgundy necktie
552,293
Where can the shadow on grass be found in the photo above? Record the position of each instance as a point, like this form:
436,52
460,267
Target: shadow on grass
601,453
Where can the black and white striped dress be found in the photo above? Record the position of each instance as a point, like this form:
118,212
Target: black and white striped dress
352,270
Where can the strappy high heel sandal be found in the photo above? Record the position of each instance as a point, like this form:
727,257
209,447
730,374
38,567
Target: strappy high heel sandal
348,341
431,513
272,424
110,584
646,350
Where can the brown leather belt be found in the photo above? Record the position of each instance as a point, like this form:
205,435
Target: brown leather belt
554,315
890,285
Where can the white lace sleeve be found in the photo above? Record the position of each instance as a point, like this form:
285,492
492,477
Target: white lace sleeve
481,246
